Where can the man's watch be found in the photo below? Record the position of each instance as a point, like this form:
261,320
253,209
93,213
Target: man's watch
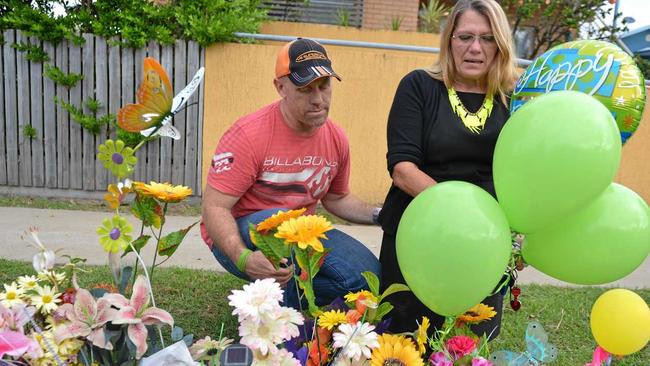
375,215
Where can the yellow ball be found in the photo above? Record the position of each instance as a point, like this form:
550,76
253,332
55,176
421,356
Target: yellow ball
620,322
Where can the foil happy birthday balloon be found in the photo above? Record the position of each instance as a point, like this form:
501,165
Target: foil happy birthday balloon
597,68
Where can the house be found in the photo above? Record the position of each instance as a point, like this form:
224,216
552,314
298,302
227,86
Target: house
638,41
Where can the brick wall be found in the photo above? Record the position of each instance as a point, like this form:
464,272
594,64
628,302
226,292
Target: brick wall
377,14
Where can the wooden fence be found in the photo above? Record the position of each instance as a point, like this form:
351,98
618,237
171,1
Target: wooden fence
61,159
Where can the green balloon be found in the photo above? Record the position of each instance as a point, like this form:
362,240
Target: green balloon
601,243
453,245
554,155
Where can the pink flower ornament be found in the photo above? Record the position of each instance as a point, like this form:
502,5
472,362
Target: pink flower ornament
440,359
137,315
86,318
13,343
480,361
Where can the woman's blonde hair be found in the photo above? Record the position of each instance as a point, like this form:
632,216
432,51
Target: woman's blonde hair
502,74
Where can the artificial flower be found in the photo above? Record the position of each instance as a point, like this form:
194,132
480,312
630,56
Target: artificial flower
136,313
46,299
318,353
344,361
440,359
305,231
117,158
205,349
66,351
13,344
331,319
86,318
421,335
395,350
290,318
480,361
27,283
477,314
116,194
357,340
277,219
44,259
164,192
460,345
114,234
257,298
12,295
14,318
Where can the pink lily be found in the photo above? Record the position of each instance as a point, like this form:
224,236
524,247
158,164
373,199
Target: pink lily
137,315
86,318
15,317
13,343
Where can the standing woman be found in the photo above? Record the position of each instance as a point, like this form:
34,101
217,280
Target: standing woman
443,125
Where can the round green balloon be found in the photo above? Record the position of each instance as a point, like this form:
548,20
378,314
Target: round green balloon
555,155
604,242
597,68
453,245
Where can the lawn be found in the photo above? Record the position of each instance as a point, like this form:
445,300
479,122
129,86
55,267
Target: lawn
197,300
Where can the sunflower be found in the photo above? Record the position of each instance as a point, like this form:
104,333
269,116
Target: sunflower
477,314
421,335
113,234
396,351
164,192
275,220
305,231
117,158
331,319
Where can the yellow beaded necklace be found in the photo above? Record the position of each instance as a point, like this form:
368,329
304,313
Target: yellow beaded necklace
473,121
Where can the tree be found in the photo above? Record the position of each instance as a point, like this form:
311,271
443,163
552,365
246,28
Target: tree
560,21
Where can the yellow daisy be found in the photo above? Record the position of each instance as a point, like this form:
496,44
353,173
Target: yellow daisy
12,295
115,195
305,231
275,220
367,295
164,192
421,335
331,319
395,350
477,314
46,300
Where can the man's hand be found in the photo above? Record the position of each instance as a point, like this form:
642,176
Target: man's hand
258,267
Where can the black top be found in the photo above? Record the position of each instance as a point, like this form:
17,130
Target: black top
423,129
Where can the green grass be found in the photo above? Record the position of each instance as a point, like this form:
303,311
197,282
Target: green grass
198,302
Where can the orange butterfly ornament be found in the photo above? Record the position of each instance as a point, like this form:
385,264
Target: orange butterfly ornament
156,105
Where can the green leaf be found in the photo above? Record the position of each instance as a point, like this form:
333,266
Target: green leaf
147,210
177,334
315,261
126,275
373,282
382,310
274,249
138,244
170,242
394,288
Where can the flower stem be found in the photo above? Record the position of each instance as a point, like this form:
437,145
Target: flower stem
137,259
155,254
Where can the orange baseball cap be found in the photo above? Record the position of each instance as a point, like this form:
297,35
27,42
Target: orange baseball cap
303,61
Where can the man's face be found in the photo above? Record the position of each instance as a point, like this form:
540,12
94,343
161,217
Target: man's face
305,108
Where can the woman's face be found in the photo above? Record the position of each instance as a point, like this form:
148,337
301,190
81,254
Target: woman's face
472,46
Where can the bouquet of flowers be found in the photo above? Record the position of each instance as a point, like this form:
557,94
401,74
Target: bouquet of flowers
350,331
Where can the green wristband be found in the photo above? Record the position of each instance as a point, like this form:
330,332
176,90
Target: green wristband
243,257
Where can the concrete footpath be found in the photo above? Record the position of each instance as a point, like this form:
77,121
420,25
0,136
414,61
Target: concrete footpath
74,233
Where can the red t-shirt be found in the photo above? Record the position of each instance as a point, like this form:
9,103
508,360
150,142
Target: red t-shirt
265,163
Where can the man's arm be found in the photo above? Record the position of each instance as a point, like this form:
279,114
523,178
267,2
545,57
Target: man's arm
222,228
349,207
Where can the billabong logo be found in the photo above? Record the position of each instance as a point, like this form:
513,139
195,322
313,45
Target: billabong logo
221,162
311,55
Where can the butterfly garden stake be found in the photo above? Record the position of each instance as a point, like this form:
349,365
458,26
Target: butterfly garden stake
156,105
538,350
